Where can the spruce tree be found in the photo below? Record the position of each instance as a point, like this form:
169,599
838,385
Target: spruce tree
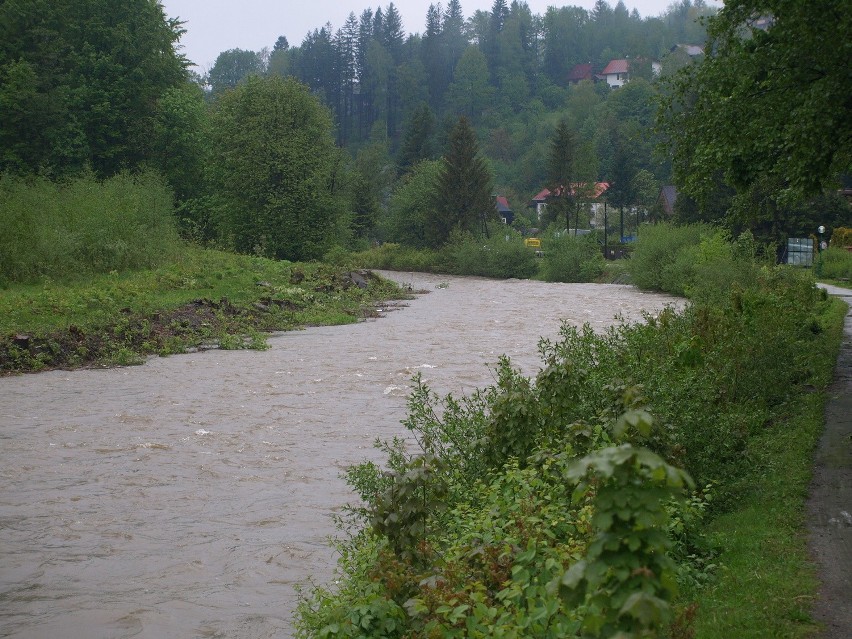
562,169
418,142
463,197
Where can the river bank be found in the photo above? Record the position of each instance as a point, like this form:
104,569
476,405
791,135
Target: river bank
206,299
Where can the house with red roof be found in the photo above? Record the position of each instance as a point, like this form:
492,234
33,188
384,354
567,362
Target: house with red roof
581,72
504,210
617,72
590,194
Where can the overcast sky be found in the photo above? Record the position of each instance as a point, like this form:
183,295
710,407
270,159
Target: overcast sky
214,26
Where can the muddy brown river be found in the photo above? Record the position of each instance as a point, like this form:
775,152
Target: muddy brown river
190,496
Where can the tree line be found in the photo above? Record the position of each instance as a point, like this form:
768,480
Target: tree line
348,138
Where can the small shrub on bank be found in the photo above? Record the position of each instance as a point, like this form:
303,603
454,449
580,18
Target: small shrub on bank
396,257
660,261
501,256
572,259
84,226
698,261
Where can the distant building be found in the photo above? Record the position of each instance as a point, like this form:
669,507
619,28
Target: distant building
504,210
589,194
617,73
581,72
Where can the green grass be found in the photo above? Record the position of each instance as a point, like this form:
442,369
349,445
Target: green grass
203,297
767,584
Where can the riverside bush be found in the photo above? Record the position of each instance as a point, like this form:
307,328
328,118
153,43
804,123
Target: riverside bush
571,259
501,256
84,226
661,260
396,257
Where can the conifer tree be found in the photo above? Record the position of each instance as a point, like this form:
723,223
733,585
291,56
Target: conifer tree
463,199
562,171
417,144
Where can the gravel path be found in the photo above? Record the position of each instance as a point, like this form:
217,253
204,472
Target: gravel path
830,501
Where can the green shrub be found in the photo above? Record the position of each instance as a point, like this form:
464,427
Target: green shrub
501,256
395,257
84,226
841,237
697,261
572,259
659,261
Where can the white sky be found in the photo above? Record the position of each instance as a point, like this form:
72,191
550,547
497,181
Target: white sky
214,26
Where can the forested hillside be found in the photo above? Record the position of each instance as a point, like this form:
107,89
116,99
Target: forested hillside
396,90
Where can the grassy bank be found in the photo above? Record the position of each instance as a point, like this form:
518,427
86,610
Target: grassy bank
767,583
201,299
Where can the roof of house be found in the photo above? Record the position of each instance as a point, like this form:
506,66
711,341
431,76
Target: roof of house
503,205
596,192
580,72
616,66
542,196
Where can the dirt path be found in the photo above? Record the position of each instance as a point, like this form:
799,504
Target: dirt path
830,501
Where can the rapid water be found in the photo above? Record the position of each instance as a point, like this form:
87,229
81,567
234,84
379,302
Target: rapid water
191,496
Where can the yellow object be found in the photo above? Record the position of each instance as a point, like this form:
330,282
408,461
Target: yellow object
533,242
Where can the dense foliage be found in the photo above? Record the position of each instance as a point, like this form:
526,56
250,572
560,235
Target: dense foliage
462,199
553,506
81,81
84,226
398,96
571,258
274,167
768,112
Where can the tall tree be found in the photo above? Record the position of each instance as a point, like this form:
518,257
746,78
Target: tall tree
770,100
419,138
562,172
393,34
346,43
433,53
455,40
463,195
566,41
232,67
180,151
81,80
281,44
621,170
470,92
411,206
492,42
274,164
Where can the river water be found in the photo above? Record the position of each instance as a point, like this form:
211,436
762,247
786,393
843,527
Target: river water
188,497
